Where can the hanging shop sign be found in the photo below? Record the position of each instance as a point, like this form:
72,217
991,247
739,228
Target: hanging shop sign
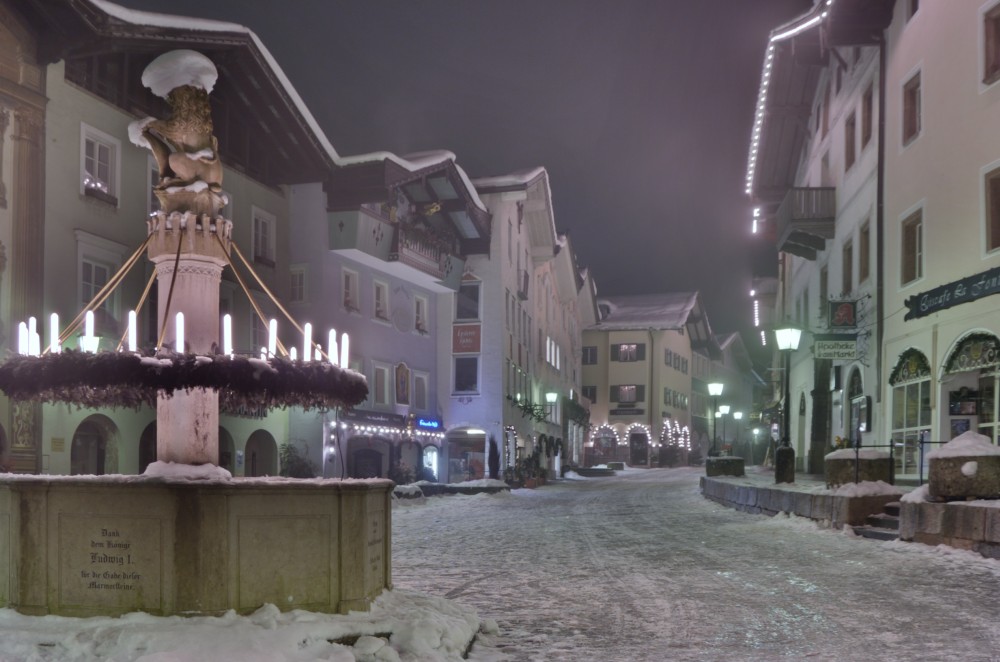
956,292
843,314
836,346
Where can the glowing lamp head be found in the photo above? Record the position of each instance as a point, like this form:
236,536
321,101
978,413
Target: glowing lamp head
787,338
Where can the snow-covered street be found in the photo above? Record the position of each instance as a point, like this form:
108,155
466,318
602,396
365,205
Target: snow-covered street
641,567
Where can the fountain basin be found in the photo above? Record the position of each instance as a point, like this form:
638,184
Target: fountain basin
109,545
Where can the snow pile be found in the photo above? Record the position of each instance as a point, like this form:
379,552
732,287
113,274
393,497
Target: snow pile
918,495
174,470
572,475
179,67
861,453
407,490
967,444
867,488
970,468
400,625
482,482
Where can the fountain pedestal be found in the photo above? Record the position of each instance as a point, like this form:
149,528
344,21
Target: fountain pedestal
189,252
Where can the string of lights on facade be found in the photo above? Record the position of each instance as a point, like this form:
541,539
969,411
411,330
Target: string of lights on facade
764,83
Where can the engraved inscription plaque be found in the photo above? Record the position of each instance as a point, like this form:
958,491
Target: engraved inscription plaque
110,561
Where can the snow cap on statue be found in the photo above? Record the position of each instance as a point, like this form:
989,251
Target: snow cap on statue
176,68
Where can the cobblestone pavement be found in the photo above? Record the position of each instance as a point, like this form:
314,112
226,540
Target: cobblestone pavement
641,567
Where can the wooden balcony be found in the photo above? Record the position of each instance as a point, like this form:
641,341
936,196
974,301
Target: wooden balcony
805,220
418,251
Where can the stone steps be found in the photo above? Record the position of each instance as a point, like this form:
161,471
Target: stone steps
881,526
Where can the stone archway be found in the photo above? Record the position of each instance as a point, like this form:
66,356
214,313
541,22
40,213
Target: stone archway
261,455
94,449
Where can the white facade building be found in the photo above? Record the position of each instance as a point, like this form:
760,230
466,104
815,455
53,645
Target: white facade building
813,175
942,224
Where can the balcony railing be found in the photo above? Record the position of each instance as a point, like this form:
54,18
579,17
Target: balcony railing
424,251
805,220
420,250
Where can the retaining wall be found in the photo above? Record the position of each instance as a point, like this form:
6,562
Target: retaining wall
837,511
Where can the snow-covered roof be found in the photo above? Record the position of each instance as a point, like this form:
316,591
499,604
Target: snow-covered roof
519,178
155,19
668,310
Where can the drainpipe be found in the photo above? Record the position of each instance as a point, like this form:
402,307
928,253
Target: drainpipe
880,223
652,427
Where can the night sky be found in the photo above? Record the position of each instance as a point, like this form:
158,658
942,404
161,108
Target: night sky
640,110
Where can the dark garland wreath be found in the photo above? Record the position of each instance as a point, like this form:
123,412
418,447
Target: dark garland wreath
127,380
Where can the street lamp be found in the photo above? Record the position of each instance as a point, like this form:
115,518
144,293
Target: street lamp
787,340
550,399
724,411
756,431
714,390
737,416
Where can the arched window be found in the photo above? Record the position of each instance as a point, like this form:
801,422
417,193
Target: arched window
910,422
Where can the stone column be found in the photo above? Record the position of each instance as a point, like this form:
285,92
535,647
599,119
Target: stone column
187,422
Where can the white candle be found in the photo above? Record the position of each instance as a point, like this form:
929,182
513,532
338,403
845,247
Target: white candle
179,333
132,333
227,334
88,324
22,338
272,337
331,347
344,351
34,342
263,353
54,346
307,340
293,353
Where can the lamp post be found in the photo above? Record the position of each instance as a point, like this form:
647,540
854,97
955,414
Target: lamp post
787,340
724,411
714,390
737,416
756,431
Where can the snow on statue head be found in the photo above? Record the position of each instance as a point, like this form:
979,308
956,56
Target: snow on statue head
186,152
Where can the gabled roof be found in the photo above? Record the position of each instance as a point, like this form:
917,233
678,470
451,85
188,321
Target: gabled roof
666,311
732,344
646,311
796,55
281,140
282,136
536,208
431,182
567,274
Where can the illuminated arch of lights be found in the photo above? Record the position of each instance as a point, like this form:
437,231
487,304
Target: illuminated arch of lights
675,434
641,426
610,431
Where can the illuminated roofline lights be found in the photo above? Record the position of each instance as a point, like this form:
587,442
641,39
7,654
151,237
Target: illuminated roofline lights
765,80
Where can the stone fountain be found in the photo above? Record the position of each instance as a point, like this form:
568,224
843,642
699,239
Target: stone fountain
191,540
